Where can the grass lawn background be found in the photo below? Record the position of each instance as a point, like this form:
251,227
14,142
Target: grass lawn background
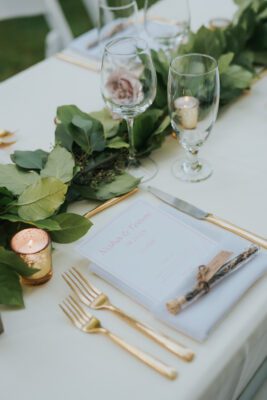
22,40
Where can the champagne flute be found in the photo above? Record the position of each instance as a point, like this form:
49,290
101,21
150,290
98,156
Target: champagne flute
193,98
166,23
128,86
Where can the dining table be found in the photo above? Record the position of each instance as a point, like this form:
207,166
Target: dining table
42,355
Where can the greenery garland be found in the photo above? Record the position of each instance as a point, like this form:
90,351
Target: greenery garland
90,152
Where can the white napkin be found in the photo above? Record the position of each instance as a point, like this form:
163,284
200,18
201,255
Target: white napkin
199,318
82,43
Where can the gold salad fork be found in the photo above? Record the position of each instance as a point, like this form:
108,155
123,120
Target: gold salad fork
92,297
89,324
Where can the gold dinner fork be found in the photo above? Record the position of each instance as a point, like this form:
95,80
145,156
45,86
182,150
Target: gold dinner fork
89,324
92,297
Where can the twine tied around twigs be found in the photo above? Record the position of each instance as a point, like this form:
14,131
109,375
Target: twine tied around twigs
210,274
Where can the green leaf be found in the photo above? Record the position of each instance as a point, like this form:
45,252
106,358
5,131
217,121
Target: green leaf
237,77
122,184
10,289
29,159
66,113
224,61
60,164
89,134
63,136
47,224
42,199
110,125
144,125
11,260
11,266
117,143
6,198
15,180
209,42
72,227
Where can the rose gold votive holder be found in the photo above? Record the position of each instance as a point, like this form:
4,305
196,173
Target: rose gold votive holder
33,245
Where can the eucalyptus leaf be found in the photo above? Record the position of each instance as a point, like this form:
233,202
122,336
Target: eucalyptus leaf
42,199
16,180
60,164
72,227
29,159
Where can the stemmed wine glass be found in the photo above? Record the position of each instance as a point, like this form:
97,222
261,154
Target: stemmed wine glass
193,97
167,23
115,18
128,86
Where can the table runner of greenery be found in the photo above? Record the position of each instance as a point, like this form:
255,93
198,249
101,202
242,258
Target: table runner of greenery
90,152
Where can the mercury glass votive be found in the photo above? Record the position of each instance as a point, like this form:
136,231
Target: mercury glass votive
33,245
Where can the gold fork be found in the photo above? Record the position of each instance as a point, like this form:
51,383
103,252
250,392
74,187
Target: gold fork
89,324
92,297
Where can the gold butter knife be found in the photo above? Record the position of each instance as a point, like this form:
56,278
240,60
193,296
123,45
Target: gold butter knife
91,66
109,203
197,213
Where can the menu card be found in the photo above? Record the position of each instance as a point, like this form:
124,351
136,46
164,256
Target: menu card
146,252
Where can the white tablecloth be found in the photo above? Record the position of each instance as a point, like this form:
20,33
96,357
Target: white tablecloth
41,355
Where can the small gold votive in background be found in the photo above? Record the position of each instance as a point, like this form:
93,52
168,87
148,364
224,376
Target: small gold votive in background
219,23
33,245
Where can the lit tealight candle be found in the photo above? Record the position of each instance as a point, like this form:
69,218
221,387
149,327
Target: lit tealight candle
187,109
34,247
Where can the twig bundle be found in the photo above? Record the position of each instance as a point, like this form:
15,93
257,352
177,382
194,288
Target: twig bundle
202,287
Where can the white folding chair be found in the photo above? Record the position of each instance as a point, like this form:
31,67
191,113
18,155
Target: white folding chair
92,10
59,35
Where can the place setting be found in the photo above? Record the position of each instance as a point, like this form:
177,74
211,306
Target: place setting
101,191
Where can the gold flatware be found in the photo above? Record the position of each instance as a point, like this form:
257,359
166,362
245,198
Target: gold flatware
197,213
89,324
109,203
93,298
4,135
91,66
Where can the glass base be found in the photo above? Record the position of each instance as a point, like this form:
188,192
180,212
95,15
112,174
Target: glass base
182,170
145,169
37,281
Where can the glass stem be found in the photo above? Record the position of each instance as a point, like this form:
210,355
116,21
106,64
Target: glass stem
192,159
132,160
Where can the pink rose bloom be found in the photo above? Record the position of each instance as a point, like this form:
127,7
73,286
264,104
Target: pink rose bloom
124,88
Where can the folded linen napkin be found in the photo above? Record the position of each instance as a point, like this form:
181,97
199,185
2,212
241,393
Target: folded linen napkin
199,318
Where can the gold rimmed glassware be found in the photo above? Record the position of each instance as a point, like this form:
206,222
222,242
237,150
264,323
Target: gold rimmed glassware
128,86
193,98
